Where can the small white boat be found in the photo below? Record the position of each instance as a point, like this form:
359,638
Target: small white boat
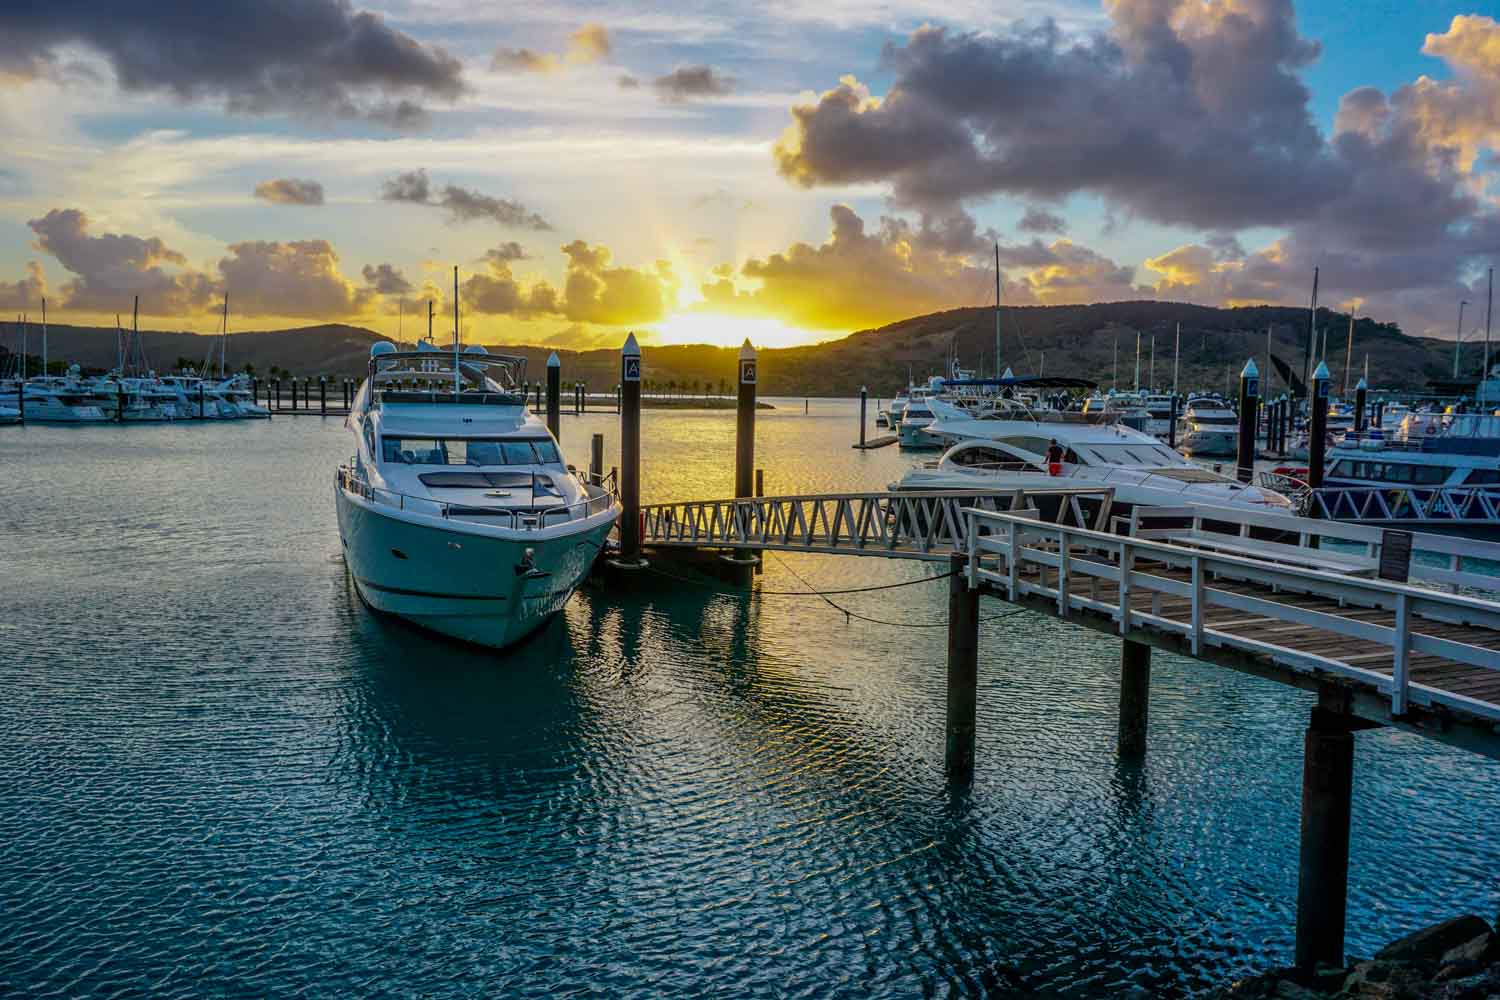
1209,429
457,511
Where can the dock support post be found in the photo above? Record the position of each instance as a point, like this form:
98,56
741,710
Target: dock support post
963,671
630,453
864,393
554,396
120,402
1135,698
1172,423
1361,395
277,383
200,399
744,423
596,459
322,395
1249,421
1323,871
1317,426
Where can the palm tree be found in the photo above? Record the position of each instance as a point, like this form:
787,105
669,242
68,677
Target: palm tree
672,387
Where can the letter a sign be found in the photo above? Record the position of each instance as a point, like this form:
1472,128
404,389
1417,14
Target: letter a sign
632,371
747,372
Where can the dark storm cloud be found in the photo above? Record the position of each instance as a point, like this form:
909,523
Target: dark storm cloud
290,191
109,268
386,279
1184,114
258,56
507,252
688,83
461,204
1039,220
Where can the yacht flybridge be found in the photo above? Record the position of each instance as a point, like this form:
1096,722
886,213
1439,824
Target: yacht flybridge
1007,449
457,511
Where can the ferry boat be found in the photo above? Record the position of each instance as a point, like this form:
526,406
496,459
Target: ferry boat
1210,429
1008,450
456,511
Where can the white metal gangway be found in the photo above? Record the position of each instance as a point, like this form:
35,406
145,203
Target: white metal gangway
902,525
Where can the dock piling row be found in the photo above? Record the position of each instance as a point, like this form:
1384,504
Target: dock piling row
554,396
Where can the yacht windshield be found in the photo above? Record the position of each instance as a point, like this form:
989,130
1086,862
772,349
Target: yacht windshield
1130,454
469,451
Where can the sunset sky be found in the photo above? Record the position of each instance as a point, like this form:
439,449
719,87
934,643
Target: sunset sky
785,171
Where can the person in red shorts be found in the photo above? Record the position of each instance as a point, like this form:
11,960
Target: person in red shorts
1054,459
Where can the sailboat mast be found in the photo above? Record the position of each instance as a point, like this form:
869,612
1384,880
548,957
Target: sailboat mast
456,377
135,324
1137,361
1265,391
1489,307
1349,352
997,310
1312,333
1151,381
224,335
119,346
44,337
1176,351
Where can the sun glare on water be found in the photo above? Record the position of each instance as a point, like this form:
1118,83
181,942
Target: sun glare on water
731,331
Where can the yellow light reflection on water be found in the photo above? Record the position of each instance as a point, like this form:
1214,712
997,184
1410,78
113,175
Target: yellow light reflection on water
731,331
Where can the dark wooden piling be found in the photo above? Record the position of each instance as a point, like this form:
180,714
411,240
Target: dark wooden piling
1135,698
120,402
554,396
1317,426
323,395
630,453
1249,421
1323,870
963,672
863,395
200,399
1172,424
744,423
596,459
1361,397
278,392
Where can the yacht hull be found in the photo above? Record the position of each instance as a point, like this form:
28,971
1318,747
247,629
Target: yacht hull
469,581
1209,444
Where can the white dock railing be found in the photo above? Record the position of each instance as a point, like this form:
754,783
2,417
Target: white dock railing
1414,506
1017,556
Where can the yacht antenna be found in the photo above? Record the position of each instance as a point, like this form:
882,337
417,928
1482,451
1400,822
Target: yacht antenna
997,312
1349,352
456,377
1312,332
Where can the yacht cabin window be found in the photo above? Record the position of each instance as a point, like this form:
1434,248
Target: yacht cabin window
469,451
993,458
1140,453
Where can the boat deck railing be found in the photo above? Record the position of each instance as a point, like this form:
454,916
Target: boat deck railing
529,518
1408,505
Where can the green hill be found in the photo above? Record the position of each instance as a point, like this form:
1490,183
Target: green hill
1058,340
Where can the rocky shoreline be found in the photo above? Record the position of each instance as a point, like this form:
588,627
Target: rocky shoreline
1458,959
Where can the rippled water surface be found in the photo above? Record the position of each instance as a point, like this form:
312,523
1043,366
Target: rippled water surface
221,774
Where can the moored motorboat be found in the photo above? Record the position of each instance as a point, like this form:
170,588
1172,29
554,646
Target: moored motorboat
457,511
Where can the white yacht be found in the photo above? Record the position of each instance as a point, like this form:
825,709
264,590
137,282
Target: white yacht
457,511
1210,429
1009,450
237,392
60,400
1159,409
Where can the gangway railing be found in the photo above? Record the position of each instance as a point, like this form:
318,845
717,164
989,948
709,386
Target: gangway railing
1408,505
910,525
1308,620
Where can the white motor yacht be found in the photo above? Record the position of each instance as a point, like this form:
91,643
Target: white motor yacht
457,511
1210,429
1159,408
237,392
1009,451
60,400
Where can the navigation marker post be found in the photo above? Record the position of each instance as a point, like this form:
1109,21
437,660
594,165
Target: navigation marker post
1249,420
1317,429
630,457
